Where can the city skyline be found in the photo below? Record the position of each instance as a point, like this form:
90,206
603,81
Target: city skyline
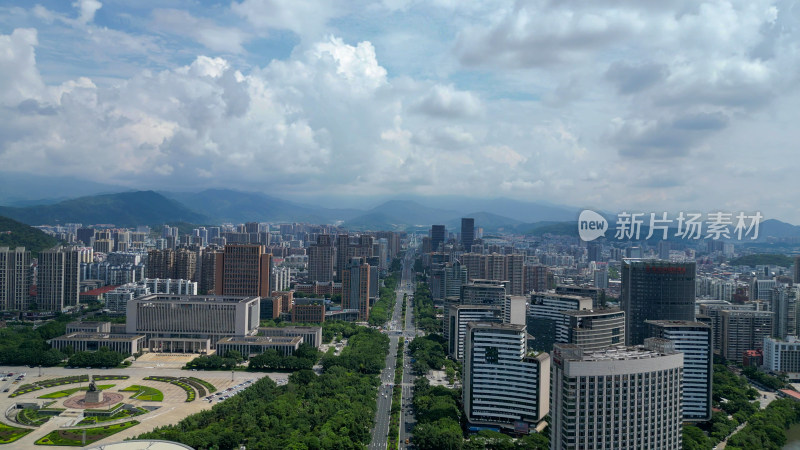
570,103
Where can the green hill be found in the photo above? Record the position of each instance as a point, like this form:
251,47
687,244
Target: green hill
762,259
124,209
15,234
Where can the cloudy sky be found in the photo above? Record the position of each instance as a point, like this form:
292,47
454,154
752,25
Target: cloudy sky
614,104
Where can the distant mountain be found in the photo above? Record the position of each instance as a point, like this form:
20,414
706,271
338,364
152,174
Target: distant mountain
23,189
413,213
224,205
123,209
776,228
16,234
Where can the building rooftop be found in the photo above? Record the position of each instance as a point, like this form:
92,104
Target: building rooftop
592,312
679,323
101,336
619,353
194,298
496,326
261,340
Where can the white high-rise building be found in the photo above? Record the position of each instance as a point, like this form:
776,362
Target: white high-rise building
458,317
693,339
622,397
504,385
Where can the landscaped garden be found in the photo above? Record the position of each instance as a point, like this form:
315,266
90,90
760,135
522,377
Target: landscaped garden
32,417
25,388
75,437
10,434
145,393
187,385
122,414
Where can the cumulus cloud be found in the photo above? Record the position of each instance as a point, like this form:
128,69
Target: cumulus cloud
446,101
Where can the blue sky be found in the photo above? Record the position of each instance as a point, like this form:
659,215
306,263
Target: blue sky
610,104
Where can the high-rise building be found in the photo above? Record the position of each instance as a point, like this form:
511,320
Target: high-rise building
161,263
504,385
784,305
601,277
15,279
243,270
797,269
693,339
744,330
548,324
655,290
535,278
467,232
355,288
622,397
483,292
594,251
320,259
455,325
595,293
438,236
594,329
86,235
782,356
185,265
208,269
58,279
515,309
714,312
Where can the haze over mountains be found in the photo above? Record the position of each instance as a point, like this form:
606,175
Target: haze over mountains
216,206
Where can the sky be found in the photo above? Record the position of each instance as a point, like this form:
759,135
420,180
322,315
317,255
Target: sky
610,104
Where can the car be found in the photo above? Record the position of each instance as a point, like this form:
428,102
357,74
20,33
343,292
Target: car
5,390
218,393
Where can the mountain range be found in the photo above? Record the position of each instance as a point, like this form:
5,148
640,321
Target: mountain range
216,206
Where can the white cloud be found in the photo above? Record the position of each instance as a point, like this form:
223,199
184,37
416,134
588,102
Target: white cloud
87,9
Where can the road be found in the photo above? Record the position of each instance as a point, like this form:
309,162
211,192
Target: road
380,430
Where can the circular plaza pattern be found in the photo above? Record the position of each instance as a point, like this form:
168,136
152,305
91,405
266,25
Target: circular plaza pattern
79,402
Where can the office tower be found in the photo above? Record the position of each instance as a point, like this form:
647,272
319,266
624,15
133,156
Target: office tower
455,324
547,323
601,278
161,263
467,233
185,265
622,397
664,248
744,330
594,251
535,278
784,305
58,280
15,279
514,309
483,292
594,329
86,235
446,281
355,288
596,294
693,339
504,385
655,290
796,270
243,270
438,236
320,259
